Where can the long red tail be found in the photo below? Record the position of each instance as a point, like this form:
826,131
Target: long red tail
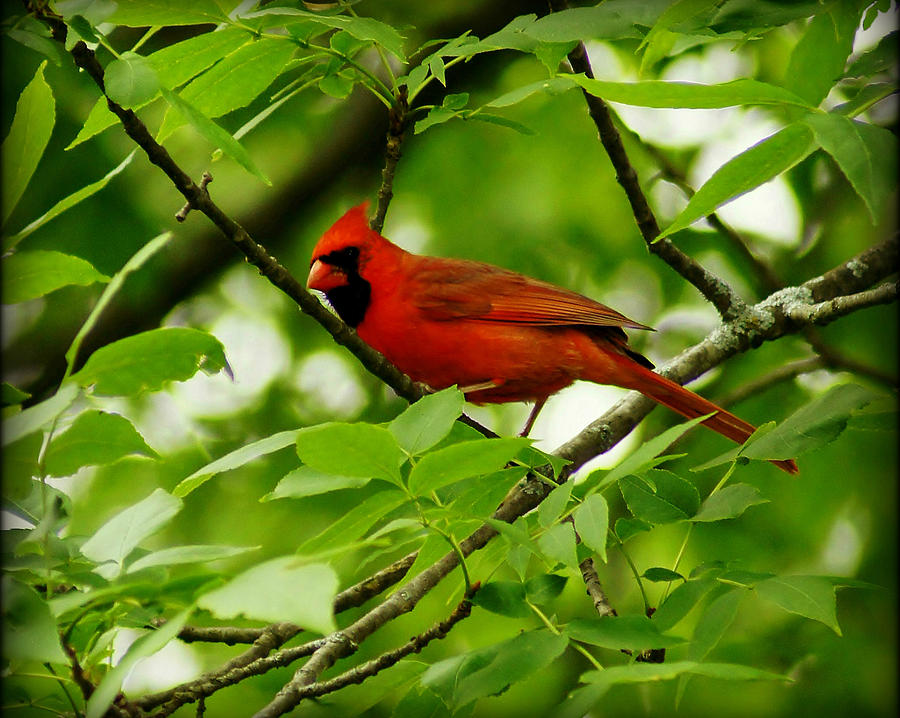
691,405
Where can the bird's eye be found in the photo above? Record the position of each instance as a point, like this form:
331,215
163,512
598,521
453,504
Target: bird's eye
346,258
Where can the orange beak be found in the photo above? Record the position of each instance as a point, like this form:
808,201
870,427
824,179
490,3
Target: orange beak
323,276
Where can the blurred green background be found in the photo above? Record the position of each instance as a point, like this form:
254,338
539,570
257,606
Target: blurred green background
547,205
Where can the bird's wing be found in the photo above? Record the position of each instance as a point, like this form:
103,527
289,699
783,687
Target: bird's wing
445,289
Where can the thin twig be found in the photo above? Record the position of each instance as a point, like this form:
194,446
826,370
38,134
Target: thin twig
834,359
395,133
768,278
415,644
766,321
763,383
826,312
595,588
205,179
269,639
717,291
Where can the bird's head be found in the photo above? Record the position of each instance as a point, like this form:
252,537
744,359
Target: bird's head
338,262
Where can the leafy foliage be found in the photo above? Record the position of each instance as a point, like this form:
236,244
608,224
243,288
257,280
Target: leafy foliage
146,533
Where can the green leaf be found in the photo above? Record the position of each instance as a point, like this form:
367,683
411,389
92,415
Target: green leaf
31,33
148,644
367,28
881,58
551,86
461,461
119,536
544,587
234,82
434,547
592,523
811,427
31,274
711,627
715,620
582,700
866,154
818,59
149,360
762,162
362,28
29,630
752,16
436,65
20,465
625,528
282,589
307,481
534,458
11,396
464,679
141,13
681,602
187,554
504,597
136,262
658,574
632,632
435,116
67,203
677,12
552,507
214,134
360,450
484,494
336,86
28,136
427,421
356,522
40,415
729,503
234,459
643,458
608,21
174,65
690,94
558,544
130,80
808,596
744,578
865,99
516,533
501,121
674,498
95,438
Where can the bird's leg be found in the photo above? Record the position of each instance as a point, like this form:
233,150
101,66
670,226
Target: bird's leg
538,405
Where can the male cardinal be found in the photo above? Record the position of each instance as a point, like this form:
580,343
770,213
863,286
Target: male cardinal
499,335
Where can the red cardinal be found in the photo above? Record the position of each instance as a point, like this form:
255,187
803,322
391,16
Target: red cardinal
500,336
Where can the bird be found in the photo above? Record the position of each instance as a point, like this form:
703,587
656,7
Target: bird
498,335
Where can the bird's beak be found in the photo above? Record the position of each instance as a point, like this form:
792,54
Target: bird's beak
323,276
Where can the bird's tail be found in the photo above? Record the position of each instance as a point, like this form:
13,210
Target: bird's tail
687,403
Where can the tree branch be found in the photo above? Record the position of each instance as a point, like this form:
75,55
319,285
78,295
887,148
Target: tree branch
595,588
395,133
831,309
763,383
716,291
238,668
779,314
